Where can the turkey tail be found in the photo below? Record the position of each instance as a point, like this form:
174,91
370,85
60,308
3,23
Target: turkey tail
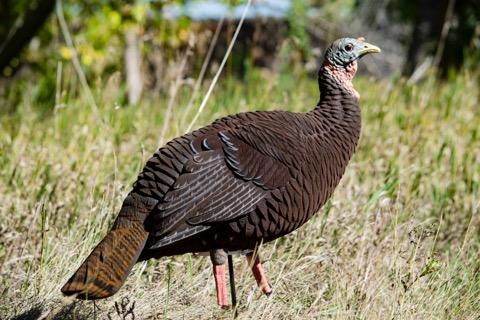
105,269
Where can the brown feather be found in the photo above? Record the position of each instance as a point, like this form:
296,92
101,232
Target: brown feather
105,269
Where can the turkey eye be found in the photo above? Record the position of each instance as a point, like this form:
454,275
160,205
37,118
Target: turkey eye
349,47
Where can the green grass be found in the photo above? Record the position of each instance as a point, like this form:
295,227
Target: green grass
400,239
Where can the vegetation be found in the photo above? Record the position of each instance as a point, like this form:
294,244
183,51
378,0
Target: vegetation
399,240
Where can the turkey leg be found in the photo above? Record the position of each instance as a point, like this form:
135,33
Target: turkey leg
219,258
259,273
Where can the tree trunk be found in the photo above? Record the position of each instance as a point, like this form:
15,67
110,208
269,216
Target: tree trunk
133,66
19,36
426,32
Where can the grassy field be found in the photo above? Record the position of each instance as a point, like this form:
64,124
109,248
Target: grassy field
400,239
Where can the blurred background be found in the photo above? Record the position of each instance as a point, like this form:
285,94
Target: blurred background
143,42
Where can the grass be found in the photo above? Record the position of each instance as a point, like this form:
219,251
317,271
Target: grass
400,239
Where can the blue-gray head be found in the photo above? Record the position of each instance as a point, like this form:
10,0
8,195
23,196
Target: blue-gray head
346,51
340,61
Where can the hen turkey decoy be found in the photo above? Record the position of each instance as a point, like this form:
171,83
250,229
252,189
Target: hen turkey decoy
243,180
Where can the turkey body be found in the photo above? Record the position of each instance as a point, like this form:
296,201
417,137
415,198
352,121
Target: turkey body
244,179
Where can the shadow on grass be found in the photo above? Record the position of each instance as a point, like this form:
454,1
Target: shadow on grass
122,310
68,312
31,314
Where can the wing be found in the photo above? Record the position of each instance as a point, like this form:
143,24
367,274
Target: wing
229,173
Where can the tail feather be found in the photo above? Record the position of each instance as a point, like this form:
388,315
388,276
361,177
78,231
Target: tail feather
105,269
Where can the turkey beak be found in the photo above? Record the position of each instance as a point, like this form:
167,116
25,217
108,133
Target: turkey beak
368,48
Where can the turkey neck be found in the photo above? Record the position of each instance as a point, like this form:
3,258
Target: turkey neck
337,122
337,114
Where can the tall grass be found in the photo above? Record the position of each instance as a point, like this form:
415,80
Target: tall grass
400,239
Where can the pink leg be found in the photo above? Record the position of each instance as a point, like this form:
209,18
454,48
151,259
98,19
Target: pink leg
221,285
259,274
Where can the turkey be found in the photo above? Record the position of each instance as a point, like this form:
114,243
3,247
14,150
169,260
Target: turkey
243,180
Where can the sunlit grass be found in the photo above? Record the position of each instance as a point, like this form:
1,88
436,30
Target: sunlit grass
399,240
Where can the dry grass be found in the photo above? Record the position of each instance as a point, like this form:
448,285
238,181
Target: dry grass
399,240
